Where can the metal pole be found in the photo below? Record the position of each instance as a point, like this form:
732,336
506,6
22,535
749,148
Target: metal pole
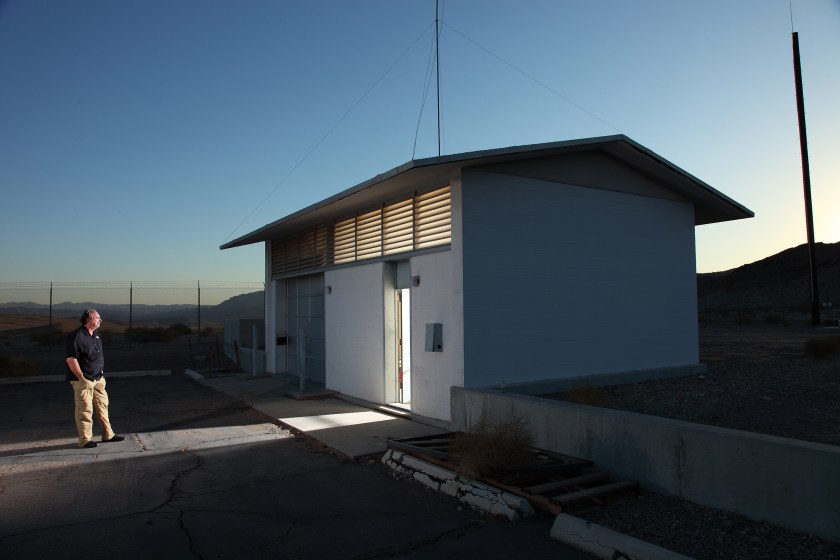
437,64
302,359
254,349
198,283
130,305
49,330
806,184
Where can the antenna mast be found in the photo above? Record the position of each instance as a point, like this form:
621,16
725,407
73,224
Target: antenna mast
806,183
437,65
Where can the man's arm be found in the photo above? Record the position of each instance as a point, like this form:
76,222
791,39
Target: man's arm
73,364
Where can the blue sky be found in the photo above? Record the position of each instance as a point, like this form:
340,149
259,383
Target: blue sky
137,137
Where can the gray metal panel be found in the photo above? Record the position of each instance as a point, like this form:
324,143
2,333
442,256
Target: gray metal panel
305,304
403,275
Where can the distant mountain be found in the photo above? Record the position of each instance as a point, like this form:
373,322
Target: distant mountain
245,306
780,282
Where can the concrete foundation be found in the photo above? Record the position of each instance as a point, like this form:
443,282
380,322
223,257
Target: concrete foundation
475,494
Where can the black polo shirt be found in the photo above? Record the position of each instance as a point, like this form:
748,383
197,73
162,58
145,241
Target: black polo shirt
87,349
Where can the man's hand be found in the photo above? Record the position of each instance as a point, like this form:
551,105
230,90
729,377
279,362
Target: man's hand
73,364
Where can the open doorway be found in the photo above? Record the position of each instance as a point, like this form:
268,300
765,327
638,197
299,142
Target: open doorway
398,327
403,382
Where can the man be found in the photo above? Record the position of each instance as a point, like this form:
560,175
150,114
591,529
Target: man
86,374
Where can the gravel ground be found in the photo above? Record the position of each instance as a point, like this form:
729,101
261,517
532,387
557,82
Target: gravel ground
705,533
759,379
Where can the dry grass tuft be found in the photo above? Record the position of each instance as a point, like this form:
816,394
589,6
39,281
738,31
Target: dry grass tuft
17,366
493,449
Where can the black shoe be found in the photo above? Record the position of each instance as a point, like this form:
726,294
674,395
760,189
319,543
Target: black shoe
115,438
90,444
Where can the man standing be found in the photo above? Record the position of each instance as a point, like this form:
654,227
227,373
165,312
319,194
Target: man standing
86,374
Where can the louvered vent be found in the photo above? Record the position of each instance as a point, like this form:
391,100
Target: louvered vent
419,222
432,219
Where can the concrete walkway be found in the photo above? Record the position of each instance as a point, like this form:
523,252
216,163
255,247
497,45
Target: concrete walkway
350,429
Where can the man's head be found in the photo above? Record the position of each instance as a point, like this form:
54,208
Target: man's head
91,319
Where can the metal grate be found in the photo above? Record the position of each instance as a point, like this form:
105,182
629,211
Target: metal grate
553,482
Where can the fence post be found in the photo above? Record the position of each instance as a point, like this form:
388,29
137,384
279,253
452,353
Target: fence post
198,283
49,330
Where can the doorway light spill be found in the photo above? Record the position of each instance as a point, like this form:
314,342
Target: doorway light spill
327,421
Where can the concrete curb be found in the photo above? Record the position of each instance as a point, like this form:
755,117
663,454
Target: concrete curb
475,494
605,543
192,374
58,378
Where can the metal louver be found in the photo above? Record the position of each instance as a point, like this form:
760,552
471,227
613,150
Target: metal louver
419,222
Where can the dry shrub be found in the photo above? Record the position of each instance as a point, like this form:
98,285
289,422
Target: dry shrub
492,450
823,347
17,366
47,337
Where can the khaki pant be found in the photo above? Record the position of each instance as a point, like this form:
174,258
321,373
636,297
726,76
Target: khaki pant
90,396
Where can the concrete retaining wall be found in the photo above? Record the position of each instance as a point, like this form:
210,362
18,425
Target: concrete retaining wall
782,481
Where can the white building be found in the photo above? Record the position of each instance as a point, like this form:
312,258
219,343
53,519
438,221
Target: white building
513,265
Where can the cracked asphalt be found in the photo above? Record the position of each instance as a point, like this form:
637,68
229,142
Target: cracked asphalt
201,475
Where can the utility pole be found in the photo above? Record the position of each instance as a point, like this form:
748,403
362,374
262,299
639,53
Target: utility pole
437,65
806,184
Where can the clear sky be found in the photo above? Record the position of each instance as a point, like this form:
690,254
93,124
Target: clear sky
138,136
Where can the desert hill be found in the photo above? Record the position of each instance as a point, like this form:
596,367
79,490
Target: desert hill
21,314
780,282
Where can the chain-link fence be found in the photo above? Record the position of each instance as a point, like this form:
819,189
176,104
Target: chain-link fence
146,325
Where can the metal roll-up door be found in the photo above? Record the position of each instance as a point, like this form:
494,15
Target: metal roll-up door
305,312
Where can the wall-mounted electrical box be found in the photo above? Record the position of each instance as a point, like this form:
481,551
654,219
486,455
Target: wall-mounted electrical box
434,337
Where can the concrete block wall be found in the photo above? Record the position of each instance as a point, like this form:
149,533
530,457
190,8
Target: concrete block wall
552,270
778,480
436,300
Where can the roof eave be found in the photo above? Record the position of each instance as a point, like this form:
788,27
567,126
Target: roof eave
711,205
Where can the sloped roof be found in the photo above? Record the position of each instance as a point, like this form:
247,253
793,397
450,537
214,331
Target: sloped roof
710,205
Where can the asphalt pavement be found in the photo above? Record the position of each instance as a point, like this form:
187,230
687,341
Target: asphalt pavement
213,472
